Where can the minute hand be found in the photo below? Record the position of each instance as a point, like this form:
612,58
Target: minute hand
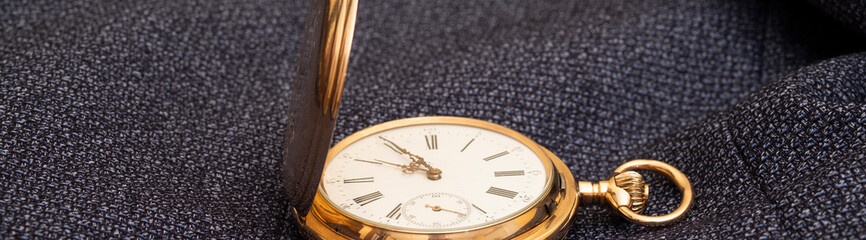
413,157
432,173
408,169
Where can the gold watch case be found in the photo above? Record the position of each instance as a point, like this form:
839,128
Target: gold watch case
313,113
547,218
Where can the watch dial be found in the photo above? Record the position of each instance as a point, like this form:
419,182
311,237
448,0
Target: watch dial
486,177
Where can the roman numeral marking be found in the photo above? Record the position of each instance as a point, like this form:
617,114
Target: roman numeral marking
368,161
358,180
508,173
367,199
467,145
502,192
432,141
479,209
496,156
395,213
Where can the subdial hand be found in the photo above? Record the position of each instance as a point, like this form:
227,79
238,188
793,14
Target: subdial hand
439,208
432,173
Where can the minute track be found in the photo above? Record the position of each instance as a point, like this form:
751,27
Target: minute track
494,156
467,177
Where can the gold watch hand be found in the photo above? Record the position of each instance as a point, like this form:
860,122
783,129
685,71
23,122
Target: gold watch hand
389,163
394,146
432,173
413,157
408,169
439,208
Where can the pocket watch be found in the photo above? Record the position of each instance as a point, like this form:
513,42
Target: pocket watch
439,177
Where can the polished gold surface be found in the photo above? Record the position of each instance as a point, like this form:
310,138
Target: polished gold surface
547,218
632,183
591,193
315,97
338,31
674,175
627,193
609,193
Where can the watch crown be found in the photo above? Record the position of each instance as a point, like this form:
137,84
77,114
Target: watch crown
633,184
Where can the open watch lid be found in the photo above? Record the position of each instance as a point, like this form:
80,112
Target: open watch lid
316,98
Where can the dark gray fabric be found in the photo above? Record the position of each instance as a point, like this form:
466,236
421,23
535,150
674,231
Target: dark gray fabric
165,119
852,13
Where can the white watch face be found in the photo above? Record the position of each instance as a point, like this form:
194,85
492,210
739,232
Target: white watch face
486,177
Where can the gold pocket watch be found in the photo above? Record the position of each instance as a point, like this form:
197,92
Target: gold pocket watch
431,177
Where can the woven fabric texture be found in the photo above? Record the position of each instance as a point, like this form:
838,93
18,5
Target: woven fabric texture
164,119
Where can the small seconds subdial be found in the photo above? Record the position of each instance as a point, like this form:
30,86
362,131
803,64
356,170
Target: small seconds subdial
435,177
436,210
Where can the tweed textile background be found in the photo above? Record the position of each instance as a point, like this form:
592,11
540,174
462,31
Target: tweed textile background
165,118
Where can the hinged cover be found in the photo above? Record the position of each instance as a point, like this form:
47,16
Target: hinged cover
316,98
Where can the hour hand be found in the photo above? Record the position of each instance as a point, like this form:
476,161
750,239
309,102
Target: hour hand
408,169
